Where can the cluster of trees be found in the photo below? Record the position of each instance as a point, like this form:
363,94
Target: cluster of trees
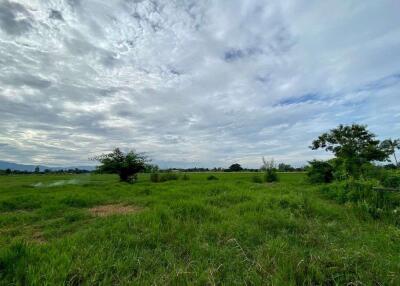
281,167
45,171
355,149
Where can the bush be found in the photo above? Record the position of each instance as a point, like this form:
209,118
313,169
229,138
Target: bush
185,177
391,181
320,172
271,176
256,179
211,178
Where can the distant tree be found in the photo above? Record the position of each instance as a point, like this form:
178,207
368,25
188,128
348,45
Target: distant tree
390,147
235,168
126,165
354,145
8,171
282,167
150,168
37,169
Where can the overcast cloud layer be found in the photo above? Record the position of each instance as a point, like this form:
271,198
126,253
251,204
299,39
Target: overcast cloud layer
193,83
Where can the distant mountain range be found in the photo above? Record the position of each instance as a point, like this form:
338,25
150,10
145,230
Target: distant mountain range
30,168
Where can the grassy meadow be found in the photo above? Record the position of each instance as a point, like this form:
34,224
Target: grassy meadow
230,231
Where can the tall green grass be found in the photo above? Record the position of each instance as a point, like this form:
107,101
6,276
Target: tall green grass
191,232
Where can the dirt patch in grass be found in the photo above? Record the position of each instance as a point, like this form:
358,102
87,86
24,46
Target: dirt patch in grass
112,209
37,237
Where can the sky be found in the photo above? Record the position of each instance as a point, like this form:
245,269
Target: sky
193,83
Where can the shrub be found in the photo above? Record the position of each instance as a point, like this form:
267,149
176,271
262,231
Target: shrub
270,171
211,178
256,179
320,172
185,177
391,181
271,176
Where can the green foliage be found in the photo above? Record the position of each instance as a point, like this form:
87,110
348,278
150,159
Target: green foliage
354,145
390,146
391,181
320,172
227,232
127,166
169,177
282,167
271,176
212,178
235,168
163,177
185,177
367,197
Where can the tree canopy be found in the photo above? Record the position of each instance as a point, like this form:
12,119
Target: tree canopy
353,145
126,165
235,168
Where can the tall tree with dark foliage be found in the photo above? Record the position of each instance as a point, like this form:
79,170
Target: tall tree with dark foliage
352,145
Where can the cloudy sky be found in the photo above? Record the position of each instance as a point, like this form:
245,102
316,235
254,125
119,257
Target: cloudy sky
193,83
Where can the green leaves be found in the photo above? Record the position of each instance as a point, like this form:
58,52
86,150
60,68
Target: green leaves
353,144
125,165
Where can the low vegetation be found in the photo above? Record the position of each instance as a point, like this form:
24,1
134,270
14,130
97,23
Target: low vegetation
195,232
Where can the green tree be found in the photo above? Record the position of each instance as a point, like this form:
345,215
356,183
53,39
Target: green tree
37,169
390,147
126,165
354,145
235,168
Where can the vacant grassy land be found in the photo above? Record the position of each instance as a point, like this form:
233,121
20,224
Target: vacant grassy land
92,229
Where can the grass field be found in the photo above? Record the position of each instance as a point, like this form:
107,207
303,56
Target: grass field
229,231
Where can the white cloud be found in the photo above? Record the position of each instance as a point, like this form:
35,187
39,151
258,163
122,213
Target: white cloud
204,83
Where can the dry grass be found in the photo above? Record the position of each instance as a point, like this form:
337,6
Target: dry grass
112,209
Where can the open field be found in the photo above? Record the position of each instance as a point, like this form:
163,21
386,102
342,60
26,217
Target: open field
92,229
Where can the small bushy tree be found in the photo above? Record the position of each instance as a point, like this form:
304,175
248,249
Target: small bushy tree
126,165
270,170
